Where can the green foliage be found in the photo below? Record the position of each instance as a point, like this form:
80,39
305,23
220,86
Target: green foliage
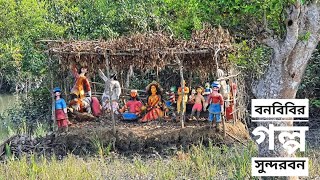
251,59
304,37
316,103
8,151
197,163
31,115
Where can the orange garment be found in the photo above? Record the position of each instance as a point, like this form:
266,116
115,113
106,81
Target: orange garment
154,109
81,85
77,102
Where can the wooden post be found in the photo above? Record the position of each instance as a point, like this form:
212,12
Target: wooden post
53,116
224,120
190,80
157,74
110,100
235,116
182,87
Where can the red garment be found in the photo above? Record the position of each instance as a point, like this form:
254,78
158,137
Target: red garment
62,123
134,106
197,107
95,107
230,108
60,114
153,114
61,118
154,111
229,111
215,99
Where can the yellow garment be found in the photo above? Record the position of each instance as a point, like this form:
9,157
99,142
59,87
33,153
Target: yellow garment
179,101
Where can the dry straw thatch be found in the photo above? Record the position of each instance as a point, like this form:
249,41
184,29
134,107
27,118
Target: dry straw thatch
148,50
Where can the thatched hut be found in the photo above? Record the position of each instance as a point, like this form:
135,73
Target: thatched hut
204,53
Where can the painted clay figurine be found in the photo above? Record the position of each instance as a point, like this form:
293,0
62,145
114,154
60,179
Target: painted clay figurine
134,106
198,101
181,106
215,102
60,111
154,103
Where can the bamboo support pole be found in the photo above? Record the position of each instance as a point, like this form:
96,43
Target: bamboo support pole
110,103
53,117
182,87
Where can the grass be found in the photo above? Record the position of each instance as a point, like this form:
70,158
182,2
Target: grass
198,163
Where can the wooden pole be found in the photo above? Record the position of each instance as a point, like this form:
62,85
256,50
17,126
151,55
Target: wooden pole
110,103
223,121
190,80
53,117
157,69
182,87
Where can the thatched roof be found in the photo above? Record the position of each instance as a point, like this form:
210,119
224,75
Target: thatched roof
149,50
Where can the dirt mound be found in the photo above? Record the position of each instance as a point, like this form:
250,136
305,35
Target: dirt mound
85,137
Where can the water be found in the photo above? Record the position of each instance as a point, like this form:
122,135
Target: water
6,101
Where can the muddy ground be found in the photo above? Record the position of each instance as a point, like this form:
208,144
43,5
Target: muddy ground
84,138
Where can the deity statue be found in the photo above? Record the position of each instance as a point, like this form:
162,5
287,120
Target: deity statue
154,103
113,85
182,109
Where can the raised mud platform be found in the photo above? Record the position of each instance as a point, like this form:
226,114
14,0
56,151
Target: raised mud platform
84,138
154,135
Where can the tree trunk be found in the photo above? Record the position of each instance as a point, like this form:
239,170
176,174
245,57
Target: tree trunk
288,63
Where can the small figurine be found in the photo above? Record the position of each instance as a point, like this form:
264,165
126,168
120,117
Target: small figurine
192,96
179,102
215,102
223,84
80,105
134,105
172,96
154,103
207,91
82,84
113,85
232,91
198,99
107,108
60,111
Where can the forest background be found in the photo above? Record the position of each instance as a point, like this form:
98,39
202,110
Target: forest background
23,68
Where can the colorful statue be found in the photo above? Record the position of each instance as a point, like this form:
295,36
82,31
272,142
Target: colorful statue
182,109
113,85
223,85
169,104
107,108
192,96
154,103
232,91
60,110
134,105
172,96
82,84
198,100
80,105
207,91
215,102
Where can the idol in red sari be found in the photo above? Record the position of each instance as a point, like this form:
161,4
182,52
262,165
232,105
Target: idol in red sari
154,103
